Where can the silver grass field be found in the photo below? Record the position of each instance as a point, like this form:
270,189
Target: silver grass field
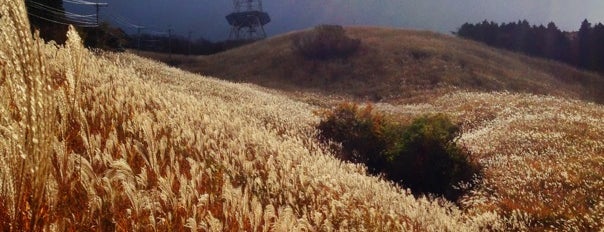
114,142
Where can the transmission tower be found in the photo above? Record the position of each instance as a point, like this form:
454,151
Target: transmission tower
247,20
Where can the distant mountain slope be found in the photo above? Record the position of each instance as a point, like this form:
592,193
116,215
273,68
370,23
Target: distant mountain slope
398,64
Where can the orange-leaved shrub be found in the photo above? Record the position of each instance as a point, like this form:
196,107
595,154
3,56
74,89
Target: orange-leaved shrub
422,156
359,131
325,42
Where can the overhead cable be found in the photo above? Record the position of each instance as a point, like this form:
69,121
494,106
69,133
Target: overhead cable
157,32
69,18
65,15
124,22
49,8
62,23
82,2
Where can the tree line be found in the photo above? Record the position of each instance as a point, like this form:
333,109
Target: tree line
583,48
177,44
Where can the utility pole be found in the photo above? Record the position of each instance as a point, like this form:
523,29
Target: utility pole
98,23
170,42
98,5
138,40
189,50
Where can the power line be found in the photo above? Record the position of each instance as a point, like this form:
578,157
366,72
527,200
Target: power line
127,22
69,18
62,14
157,32
64,17
96,4
123,21
57,22
82,2
38,5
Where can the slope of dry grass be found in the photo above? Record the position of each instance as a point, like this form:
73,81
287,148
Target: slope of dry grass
117,142
543,156
121,143
396,66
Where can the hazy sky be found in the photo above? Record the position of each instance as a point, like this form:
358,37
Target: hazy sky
206,18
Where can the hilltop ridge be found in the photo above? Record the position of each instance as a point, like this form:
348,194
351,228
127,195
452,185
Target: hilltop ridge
396,65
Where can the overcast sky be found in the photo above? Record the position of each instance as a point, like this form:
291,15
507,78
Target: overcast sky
206,18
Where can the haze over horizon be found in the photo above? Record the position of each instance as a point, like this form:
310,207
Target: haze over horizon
207,18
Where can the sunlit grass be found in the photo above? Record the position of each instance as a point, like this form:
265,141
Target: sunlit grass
117,142
543,156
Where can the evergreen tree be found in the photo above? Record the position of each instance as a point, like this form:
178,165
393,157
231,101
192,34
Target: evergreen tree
47,16
584,48
466,30
540,42
583,44
557,45
597,48
522,37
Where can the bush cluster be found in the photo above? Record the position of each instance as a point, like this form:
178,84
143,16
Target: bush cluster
359,133
422,156
326,42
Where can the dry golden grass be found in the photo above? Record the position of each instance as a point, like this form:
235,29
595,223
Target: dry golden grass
396,65
543,156
117,142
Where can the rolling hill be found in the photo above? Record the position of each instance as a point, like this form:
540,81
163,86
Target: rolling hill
395,65
116,142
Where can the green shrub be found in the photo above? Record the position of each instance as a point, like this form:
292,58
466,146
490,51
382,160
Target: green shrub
427,158
423,156
325,42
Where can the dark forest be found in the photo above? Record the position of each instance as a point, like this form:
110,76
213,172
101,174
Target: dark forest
584,48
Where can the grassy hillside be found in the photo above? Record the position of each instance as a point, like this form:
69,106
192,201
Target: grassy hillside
543,156
118,142
395,64
121,143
